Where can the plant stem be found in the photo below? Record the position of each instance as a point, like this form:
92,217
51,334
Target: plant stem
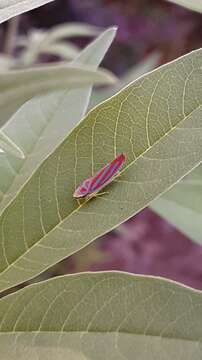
11,34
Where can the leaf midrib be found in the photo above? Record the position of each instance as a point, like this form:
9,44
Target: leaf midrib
100,332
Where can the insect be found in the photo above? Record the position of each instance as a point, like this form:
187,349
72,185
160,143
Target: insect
104,176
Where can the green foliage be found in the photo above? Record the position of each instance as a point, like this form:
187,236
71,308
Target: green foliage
42,123
102,316
10,8
195,5
18,86
182,205
155,121
53,41
148,64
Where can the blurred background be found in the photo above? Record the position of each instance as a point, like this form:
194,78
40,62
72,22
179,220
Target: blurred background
150,32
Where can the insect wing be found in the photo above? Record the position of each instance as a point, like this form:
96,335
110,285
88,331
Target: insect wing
105,175
83,188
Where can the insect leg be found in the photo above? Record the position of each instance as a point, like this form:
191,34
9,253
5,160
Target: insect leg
102,193
97,194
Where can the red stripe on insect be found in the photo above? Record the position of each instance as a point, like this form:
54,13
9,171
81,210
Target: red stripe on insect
95,183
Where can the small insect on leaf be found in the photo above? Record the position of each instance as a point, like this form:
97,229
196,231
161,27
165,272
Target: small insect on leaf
104,176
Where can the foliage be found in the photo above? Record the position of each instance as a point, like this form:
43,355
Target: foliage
192,5
10,8
182,205
62,226
102,316
39,42
50,146
18,86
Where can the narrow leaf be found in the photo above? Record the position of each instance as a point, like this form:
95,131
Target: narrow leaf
16,87
156,121
101,316
195,5
10,8
182,205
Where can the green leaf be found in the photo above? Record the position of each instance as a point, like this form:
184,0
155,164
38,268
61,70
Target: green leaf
156,121
148,64
182,205
101,316
195,5
9,146
16,87
10,8
42,123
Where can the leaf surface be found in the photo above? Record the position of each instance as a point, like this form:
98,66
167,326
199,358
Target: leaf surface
148,64
156,121
10,8
16,87
195,5
182,205
102,316
42,123
7,145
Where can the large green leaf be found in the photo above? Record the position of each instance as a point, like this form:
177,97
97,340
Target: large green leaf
195,5
182,205
156,121
102,316
10,8
42,123
16,87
